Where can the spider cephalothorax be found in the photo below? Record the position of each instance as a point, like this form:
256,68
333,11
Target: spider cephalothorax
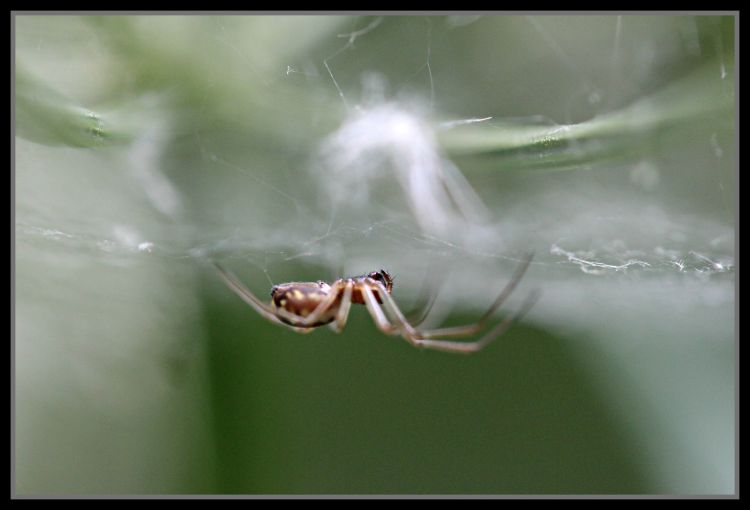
307,305
383,277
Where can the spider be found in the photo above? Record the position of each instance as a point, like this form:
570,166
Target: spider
304,306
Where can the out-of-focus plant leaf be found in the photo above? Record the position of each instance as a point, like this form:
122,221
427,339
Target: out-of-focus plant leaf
696,99
44,115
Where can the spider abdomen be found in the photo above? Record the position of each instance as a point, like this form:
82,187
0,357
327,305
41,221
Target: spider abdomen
302,298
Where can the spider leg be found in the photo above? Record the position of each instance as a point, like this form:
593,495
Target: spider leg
343,312
376,310
498,330
417,338
427,295
247,296
417,317
381,321
427,338
467,329
301,324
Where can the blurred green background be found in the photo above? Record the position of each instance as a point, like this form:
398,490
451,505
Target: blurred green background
302,148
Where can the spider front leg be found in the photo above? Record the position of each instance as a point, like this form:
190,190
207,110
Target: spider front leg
428,294
418,339
469,347
466,329
381,321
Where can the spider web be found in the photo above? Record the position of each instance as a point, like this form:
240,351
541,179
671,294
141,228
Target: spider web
379,187
377,190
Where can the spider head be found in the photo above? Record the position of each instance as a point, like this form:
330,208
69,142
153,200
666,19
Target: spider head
383,277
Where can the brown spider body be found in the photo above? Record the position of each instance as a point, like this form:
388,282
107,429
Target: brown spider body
304,306
302,298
